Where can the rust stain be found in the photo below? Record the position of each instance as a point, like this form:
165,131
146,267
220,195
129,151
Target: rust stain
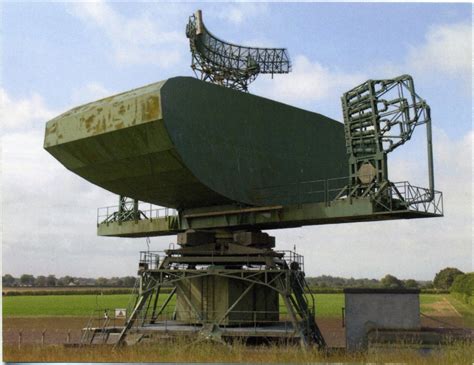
99,127
122,110
51,129
151,108
119,125
88,122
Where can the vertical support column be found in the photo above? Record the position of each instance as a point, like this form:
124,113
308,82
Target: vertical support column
135,210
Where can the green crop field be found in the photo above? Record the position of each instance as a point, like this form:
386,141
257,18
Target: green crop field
328,305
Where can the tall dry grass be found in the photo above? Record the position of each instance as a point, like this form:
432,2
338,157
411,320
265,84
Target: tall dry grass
181,351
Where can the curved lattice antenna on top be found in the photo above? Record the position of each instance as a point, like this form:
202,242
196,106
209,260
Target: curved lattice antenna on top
228,64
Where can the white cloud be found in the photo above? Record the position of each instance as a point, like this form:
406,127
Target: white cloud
447,49
237,13
142,40
308,81
24,113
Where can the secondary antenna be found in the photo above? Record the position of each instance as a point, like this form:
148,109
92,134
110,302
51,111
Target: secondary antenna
379,116
228,64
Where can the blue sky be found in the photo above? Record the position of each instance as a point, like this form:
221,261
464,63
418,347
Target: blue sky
56,51
56,56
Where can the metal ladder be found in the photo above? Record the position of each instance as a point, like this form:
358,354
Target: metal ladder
299,284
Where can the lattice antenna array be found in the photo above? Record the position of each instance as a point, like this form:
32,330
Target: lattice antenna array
379,116
227,64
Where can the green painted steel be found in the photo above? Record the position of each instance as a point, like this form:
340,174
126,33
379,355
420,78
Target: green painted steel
275,217
185,143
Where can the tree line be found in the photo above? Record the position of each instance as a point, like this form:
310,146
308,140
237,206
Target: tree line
27,280
443,280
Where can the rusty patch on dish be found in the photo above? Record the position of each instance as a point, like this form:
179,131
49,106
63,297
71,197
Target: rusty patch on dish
122,110
52,128
151,108
88,122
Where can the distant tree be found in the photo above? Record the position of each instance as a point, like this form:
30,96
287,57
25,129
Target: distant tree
8,280
65,280
27,279
40,280
115,281
51,280
390,281
410,284
427,284
129,281
445,278
101,281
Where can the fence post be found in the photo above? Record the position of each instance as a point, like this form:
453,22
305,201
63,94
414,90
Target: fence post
20,337
68,339
255,321
343,312
42,337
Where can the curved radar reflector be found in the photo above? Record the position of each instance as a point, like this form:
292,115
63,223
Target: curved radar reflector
229,64
184,143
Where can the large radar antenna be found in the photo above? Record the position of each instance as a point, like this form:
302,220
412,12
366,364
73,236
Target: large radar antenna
228,64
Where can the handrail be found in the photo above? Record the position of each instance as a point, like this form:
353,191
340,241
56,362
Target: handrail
150,211
413,198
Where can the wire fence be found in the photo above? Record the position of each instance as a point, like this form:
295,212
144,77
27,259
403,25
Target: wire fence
43,337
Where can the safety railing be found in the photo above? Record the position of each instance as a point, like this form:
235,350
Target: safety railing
403,196
292,258
151,260
147,210
323,190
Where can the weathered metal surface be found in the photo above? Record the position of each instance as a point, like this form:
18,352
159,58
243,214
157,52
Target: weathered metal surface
185,143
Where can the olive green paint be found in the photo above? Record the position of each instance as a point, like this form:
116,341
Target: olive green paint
184,143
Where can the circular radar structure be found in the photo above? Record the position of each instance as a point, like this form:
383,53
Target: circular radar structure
228,64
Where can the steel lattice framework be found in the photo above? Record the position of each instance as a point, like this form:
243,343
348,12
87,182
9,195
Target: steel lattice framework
227,64
379,116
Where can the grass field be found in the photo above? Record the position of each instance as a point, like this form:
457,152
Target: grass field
206,352
328,305
60,313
